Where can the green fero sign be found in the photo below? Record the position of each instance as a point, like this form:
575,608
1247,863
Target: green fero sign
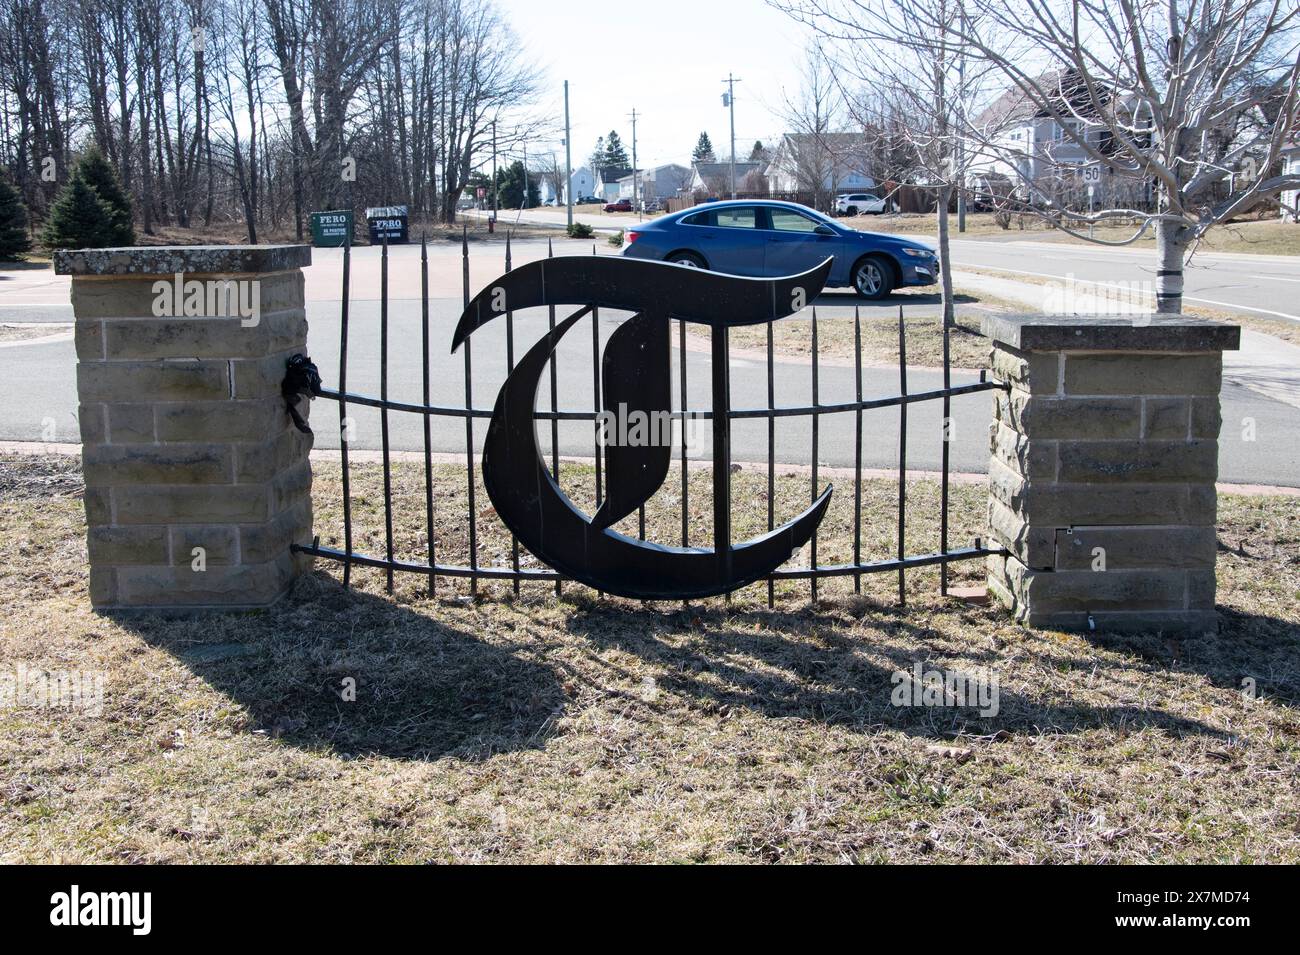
330,230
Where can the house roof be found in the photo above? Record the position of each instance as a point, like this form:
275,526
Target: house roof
831,140
1062,86
707,169
650,173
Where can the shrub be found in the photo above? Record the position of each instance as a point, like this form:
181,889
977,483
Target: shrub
79,219
77,222
99,175
580,230
13,222
616,240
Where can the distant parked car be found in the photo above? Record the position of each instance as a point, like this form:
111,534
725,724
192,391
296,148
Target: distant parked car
855,203
587,200
652,205
619,205
767,238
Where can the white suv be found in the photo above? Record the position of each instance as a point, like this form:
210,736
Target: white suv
855,203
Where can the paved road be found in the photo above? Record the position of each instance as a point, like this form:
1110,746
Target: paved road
40,382
1253,284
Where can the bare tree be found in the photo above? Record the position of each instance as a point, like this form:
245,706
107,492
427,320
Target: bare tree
907,89
219,111
1153,91
1164,88
816,115
485,77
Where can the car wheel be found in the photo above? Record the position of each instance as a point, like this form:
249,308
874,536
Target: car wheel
873,278
851,211
688,259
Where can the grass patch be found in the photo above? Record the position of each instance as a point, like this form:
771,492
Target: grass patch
1281,328
792,337
27,331
1261,237
581,729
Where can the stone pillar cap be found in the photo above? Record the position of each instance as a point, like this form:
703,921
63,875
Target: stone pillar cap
186,259
1119,333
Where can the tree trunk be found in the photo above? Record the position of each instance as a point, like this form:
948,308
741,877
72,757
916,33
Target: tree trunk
945,263
449,200
1171,247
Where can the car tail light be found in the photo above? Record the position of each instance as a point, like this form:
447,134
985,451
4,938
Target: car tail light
631,236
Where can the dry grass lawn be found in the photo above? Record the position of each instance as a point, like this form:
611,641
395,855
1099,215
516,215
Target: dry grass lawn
792,337
600,730
29,331
1261,237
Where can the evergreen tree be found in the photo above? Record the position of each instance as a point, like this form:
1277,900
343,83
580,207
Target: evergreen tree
759,152
79,219
99,175
615,154
510,187
703,150
597,158
13,222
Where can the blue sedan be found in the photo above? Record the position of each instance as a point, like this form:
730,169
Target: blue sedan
769,238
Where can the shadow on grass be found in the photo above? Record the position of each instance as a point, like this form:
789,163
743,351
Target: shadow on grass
22,266
424,690
1250,653
801,666
427,690
890,303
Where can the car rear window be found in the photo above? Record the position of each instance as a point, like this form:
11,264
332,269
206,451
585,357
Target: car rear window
740,217
699,218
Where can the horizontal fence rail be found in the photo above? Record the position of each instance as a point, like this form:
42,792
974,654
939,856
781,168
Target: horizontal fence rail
513,572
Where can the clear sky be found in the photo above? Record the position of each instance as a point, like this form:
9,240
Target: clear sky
665,58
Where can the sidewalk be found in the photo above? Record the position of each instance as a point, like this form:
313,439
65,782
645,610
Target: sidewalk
1126,251
1266,365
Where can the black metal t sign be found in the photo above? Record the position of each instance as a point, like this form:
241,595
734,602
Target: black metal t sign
636,376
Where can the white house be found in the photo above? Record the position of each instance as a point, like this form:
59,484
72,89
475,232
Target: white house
606,185
581,183
545,188
714,178
1025,150
1291,166
662,182
824,163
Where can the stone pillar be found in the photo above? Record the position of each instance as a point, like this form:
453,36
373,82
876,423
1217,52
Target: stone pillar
1104,457
196,480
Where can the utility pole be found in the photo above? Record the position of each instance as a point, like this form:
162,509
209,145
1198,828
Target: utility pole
729,100
961,134
523,203
568,157
635,204
493,219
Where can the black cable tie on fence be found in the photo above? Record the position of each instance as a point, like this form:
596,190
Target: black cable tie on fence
301,377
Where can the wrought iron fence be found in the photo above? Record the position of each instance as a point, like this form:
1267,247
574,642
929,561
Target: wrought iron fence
721,415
